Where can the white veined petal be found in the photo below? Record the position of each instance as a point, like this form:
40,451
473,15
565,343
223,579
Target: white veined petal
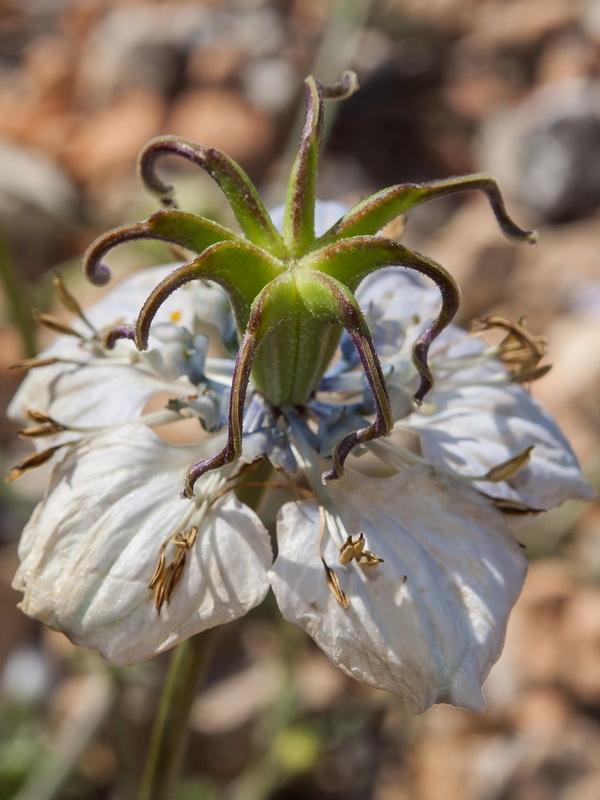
103,395
478,427
429,622
92,545
399,295
90,396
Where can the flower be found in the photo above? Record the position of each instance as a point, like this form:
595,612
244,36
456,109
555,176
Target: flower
404,574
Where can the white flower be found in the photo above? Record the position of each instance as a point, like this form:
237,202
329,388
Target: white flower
405,581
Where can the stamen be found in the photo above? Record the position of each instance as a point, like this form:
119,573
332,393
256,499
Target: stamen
69,301
55,324
33,363
510,467
520,351
333,583
399,458
33,461
47,427
167,577
368,559
354,549
514,508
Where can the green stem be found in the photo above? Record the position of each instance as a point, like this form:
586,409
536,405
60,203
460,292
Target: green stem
170,733
18,301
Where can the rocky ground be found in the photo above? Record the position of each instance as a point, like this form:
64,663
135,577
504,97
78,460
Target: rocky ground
450,86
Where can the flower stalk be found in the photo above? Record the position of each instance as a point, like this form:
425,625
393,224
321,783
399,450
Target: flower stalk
166,753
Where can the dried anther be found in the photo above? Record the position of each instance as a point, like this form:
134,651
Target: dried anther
510,467
369,559
352,549
166,577
31,462
520,351
514,508
55,324
355,549
333,582
69,301
45,426
31,363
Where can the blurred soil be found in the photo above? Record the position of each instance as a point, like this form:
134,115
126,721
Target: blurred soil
508,87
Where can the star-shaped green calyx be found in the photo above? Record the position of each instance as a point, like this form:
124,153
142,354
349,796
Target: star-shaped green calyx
292,293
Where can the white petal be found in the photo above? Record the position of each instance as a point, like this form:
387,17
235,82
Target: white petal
89,396
399,294
478,427
92,545
98,395
429,622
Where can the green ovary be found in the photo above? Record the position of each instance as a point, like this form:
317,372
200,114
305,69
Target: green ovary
293,358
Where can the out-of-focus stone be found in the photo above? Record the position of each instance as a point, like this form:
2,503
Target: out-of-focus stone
547,150
142,47
271,83
522,22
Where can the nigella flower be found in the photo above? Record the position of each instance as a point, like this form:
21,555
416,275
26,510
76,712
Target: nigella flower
404,571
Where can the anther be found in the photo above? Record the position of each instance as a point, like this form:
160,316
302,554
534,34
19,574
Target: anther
333,582
167,577
32,462
32,363
45,426
520,351
69,301
352,548
507,469
369,559
355,549
54,324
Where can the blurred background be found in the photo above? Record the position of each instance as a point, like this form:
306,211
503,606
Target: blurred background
448,86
